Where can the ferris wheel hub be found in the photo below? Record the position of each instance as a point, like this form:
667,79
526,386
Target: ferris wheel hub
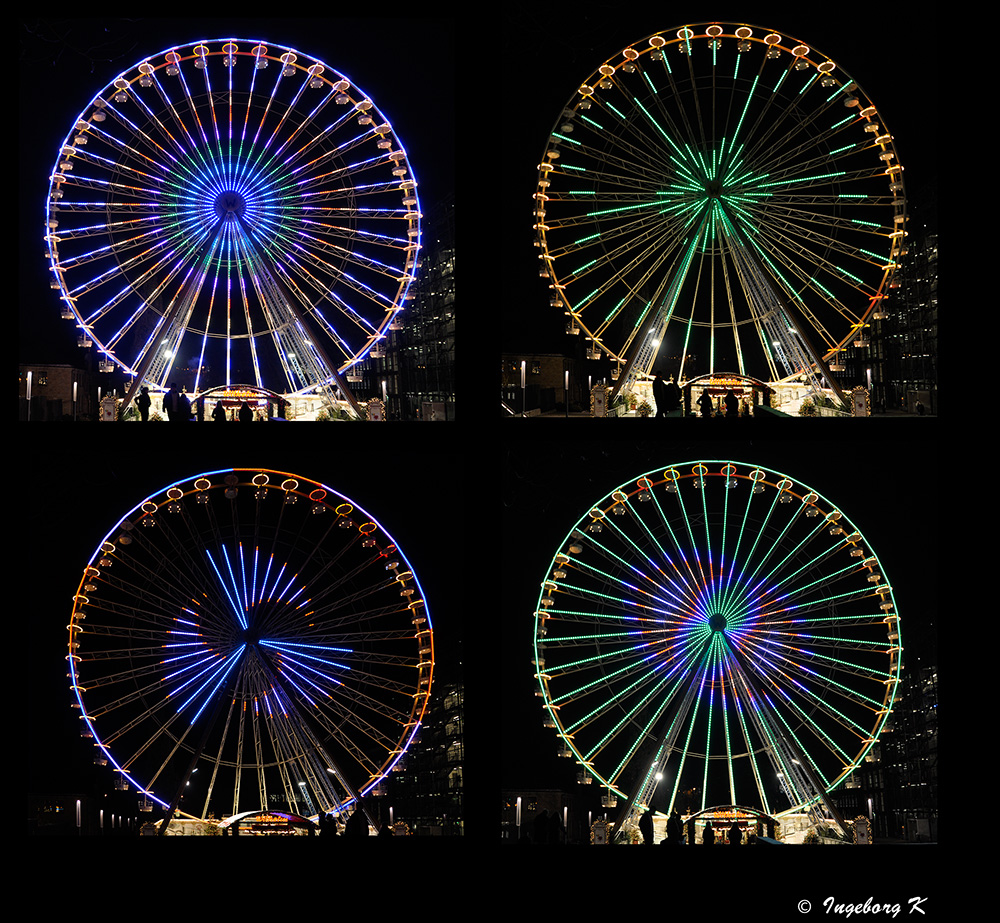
229,204
713,188
717,623
251,635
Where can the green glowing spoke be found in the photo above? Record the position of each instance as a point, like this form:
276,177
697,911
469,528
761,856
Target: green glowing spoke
677,597
692,718
625,721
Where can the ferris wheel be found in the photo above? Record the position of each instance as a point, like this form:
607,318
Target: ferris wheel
720,191
716,634
259,629
236,209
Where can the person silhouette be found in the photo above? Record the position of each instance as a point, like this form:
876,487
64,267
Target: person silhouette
646,827
174,404
142,402
660,396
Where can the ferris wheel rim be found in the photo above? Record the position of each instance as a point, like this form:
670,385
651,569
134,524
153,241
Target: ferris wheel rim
600,513
343,284
370,531
777,264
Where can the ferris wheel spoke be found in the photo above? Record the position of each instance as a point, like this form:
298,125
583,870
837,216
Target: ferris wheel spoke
216,762
652,257
772,734
812,270
849,691
641,605
311,274
158,611
684,582
803,719
625,731
788,223
319,170
350,608
165,736
771,557
643,676
139,682
784,646
804,241
149,157
371,716
810,696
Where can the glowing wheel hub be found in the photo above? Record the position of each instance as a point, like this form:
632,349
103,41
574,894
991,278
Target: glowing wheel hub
229,204
717,623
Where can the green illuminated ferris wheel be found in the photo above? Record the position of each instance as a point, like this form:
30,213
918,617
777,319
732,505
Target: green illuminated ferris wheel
725,191
715,633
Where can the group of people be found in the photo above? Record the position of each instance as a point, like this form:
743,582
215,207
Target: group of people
356,825
675,831
177,407
667,395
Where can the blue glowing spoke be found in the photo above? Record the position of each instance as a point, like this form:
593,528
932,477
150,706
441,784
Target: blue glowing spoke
240,617
263,584
206,664
198,653
292,645
277,580
253,585
293,654
243,574
222,671
288,673
288,586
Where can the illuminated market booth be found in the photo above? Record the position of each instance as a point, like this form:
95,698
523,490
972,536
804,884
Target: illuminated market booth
730,394
752,824
247,823
749,393
262,403
267,823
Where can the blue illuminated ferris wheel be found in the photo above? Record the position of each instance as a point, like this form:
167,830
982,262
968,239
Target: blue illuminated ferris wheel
233,211
245,638
715,634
